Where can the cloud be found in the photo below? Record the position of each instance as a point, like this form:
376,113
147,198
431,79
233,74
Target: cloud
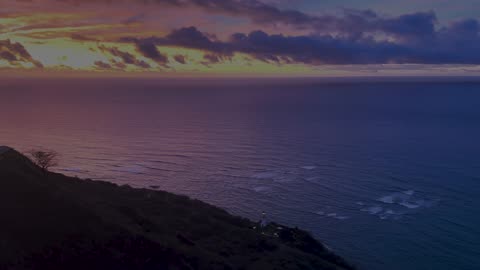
139,18
150,50
79,37
127,58
415,25
15,54
211,59
180,59
102,65
6,55
456,43
351,22
188,37
256,10
351,37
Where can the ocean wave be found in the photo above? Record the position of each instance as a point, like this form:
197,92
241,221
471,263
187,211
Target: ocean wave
372,209
397,197
311,179
261,189
410,205
382,213
77,170
264,175
135,169
407,199
398,203
284,179
332,215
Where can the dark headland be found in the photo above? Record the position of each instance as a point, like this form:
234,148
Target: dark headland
59,222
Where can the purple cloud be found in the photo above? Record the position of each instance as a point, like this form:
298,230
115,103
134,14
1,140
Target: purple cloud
454,44
149,50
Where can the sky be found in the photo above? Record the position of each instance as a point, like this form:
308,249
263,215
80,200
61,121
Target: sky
240,37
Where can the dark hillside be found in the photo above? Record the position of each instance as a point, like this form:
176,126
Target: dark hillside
59,222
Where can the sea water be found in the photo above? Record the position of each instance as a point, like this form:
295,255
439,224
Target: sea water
387,174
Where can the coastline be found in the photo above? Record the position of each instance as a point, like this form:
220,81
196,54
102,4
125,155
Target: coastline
77,217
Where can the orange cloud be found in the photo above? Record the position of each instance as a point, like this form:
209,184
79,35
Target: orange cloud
15,54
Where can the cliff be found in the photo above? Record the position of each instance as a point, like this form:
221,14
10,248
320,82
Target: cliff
58,222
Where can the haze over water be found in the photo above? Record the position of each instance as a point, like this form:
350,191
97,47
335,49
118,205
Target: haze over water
387,174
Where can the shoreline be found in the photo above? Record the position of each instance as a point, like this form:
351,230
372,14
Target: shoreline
186,232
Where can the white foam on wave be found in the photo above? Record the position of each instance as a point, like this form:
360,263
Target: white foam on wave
309,167
372,209
406,199
400,203
412,205
381,213
387,199
396,198
332,215
390,199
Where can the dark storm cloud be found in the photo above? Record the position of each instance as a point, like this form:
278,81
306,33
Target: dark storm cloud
457,43
149,50
180,59
316,50
355,23
211,59
127,58
188,37
6,55
15,53
417,25
102,65
79,37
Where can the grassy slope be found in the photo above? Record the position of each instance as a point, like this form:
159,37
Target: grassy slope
58,222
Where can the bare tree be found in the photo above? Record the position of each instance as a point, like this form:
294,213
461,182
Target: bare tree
44,159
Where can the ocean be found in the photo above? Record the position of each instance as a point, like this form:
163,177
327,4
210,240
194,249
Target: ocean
385,173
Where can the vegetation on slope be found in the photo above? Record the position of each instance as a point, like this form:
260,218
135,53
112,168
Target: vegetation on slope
57,222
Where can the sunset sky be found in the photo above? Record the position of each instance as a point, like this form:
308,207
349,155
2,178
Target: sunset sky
240,37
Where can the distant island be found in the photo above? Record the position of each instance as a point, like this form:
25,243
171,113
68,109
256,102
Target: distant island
51,221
